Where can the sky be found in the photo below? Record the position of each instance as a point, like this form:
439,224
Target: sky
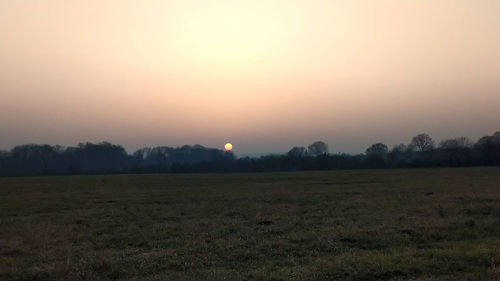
263,75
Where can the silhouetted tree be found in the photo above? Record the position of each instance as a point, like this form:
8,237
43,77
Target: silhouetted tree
3,157
152,159
455,152
33,159
317,148
456,143
399,148
162,158
422,142
297,151
377,149
375,155
489,149
400,156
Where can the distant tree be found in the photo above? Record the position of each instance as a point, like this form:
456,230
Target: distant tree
376,155
488,142
422,142
457,143
97,158
317,148
455,152
4,156
161,158
377,149
33,159
489,148
400,155
464,142
399,148
297,151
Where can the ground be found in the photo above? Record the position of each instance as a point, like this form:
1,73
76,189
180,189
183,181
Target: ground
419,224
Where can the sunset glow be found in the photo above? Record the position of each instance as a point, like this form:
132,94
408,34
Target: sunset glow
271,74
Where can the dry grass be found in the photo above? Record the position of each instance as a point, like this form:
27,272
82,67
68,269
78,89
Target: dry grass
422,224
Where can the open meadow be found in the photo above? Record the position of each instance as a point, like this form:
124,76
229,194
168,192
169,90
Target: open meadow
418,224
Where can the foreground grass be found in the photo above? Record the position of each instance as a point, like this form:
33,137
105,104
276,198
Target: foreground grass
422,224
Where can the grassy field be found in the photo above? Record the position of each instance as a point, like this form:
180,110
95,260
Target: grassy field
421,224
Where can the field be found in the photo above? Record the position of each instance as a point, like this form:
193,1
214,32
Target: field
420,224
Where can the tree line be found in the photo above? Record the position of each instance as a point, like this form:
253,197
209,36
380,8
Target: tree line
106,158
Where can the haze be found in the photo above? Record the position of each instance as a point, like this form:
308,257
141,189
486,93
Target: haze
264,75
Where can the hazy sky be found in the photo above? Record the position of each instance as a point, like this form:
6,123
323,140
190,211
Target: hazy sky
264,75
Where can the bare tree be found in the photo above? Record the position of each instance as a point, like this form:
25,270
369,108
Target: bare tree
317,148
377,149
422,142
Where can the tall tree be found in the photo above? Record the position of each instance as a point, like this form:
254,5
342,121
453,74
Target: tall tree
317,148
377,149
422,142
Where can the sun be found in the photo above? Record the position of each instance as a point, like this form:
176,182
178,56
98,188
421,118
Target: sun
228,146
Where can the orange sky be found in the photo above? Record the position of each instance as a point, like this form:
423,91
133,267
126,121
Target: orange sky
265,75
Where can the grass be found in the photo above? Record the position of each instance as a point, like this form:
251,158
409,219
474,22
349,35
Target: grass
420,224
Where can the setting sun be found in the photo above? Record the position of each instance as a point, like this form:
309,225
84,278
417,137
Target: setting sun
228,146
